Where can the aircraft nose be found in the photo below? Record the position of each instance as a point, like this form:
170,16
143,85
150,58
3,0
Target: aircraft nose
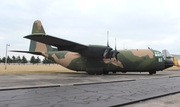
168,63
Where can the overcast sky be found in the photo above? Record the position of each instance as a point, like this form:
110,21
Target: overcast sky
135,23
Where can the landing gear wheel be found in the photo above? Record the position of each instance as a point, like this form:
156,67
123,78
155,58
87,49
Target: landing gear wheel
105,72
114,72
98,73
91,73
152,72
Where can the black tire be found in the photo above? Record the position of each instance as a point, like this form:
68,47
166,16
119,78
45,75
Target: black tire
152,72
105,72
91,73
98,73
114,72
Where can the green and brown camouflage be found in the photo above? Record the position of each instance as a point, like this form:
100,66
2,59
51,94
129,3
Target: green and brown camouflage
37,46
94,59
128,60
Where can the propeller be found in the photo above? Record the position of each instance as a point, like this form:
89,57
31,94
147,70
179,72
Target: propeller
108,49
115,51
107,38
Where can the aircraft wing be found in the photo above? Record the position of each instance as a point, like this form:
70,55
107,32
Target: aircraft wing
62,44
35,53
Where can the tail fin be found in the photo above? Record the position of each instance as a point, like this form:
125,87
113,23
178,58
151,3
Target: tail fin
37,46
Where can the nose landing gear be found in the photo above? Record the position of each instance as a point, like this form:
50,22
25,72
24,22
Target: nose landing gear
152,72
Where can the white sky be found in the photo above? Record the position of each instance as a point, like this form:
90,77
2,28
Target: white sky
135,23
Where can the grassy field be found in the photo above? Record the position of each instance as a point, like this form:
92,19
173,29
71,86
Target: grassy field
28,68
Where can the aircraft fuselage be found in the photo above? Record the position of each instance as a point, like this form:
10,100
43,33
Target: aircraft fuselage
127,60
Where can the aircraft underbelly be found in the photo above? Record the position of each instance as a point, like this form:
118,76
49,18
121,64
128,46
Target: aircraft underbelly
92,66
142,65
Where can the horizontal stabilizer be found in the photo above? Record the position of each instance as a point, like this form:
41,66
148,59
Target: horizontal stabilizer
62,44
35,53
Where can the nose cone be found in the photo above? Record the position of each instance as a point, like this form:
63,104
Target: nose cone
168,63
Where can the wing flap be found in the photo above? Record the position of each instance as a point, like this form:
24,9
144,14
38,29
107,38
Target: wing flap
62,44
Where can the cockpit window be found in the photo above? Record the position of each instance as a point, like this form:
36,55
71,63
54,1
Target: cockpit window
157,54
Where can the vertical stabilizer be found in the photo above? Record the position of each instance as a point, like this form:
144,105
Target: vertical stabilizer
37,46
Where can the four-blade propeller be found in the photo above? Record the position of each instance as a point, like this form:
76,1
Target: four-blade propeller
108,49
109,53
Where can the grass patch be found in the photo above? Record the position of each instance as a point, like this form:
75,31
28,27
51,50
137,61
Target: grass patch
29,68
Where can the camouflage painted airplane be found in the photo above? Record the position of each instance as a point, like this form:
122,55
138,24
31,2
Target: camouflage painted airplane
94,59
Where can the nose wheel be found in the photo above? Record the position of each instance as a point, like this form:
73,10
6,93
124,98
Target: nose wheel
152,72
105,72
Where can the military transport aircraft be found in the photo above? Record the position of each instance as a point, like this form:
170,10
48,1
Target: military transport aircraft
94,59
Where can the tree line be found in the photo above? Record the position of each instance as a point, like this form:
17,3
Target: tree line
23,60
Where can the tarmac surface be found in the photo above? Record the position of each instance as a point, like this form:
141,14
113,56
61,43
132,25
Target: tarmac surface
82,90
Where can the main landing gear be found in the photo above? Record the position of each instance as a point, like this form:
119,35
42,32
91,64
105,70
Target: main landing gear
105,72
114,72
98,73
